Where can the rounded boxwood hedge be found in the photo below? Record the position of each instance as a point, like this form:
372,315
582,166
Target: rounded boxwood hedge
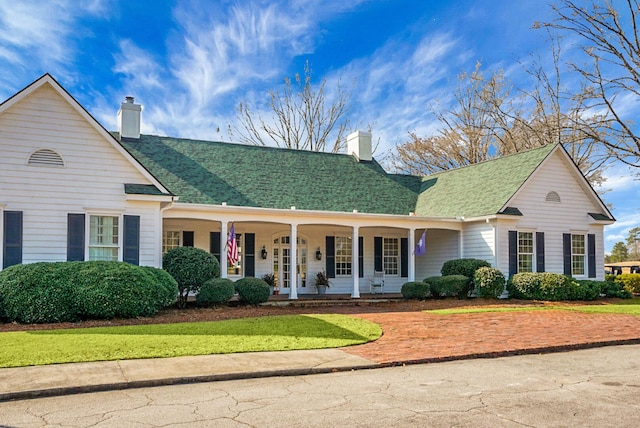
489,282
415,290
167,286
449,286
70,291
252,291
465,267
39,293
190,267
216,291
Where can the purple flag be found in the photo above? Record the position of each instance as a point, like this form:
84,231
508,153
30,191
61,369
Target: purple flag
421,246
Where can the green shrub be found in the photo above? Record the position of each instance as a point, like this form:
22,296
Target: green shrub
190,267
415,290
252,291
449,286
69,291
615,289
38,293
589,290
630,281
217,291
466,267
553,287
489,282
167,287
108,290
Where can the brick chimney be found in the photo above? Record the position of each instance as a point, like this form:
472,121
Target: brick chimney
129,119
359,145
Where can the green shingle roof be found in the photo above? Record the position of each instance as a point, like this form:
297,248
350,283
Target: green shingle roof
480,189
204,172
141,189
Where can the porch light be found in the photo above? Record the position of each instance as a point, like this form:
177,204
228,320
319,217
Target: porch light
263,253
318,254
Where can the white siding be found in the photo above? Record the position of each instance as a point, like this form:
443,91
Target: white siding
442,245
93,176
553,218
479,241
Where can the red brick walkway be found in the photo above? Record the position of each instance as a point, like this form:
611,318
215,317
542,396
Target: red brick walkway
418,336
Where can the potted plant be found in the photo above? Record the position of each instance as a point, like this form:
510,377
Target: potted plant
322,282
270,279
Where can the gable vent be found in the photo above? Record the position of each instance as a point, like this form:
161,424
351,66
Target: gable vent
552,197
45,157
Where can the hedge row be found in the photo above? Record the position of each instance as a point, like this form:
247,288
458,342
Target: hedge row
555,286
72,291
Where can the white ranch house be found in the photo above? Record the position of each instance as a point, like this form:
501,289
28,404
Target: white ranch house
71,190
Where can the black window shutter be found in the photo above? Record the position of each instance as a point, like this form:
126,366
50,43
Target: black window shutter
131,241
404,257
377,253
75,237
566,252
513,252
591,255
360,257
330,258
249,251
540,252
12,248
214,245
187,239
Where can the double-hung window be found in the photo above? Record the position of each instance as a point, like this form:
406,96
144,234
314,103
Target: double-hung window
390,255
104,237
525,251
343,255
578,253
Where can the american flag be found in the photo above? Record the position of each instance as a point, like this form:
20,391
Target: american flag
232,246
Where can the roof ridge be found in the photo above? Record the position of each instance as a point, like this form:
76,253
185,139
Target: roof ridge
252,146
549,146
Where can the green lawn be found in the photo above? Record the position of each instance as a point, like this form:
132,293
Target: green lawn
630,307
277,333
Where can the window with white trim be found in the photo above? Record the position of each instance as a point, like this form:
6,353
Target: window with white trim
390,255
104,237
170,240
343,254
578,253
525,251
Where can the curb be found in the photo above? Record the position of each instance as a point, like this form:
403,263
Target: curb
54,392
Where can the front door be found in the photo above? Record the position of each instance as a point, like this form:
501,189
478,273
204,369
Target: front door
282,263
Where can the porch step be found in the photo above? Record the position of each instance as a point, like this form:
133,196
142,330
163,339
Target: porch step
316,301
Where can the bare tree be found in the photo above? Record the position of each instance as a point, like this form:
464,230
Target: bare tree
492,118
611,45
302,117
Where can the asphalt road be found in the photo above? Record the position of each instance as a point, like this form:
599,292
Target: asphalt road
588,388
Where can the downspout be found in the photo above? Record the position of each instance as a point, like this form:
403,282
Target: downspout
163,207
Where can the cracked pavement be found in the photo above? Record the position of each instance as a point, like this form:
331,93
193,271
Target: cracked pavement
595,387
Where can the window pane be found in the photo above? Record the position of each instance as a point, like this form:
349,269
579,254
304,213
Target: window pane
343,255
390,255
103,238
577,254
525,251
170,240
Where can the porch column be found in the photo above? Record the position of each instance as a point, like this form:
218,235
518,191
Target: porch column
355,263
293,263
412,255
223,249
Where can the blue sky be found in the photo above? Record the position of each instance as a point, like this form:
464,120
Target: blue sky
189,63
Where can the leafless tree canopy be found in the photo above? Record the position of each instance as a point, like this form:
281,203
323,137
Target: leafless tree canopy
611,47
302,117
491,118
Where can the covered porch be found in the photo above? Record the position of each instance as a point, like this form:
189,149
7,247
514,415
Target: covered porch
295,245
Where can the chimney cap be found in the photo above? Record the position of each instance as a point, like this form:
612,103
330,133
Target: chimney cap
129,99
